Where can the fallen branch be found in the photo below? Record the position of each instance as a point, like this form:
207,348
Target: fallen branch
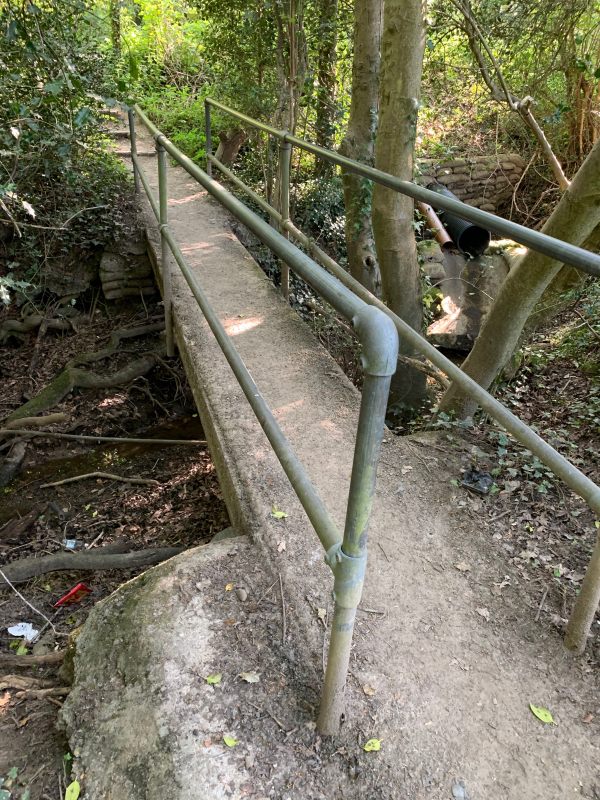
19,682
24,662
106,475
75,378
86,438
36,422
40,694
27,568
427,369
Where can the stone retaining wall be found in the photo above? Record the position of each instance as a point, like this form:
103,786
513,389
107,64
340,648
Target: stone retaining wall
485,182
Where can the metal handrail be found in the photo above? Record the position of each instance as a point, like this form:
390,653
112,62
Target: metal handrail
347,554
589,596
548,245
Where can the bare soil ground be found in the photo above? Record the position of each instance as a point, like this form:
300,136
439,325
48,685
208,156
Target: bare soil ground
185,509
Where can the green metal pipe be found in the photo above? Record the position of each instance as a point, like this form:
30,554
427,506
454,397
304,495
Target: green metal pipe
261,126
133,146
562,251
163,195
208,134
147,189
350,561
320,518
256,198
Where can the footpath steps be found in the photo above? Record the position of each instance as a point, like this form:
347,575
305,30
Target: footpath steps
445,686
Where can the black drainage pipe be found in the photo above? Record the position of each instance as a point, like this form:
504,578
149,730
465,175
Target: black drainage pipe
470,239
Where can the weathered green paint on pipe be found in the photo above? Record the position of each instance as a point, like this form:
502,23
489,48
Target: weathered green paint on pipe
256,198
320,518
133,146
147,189
350,567
562,251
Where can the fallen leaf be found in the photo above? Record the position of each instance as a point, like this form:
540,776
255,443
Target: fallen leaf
229,587
368,690
73,791
281,546
276,513
214,679
484,612
462,566
322,614
207,743
372,746
542,714
230,741
588,718
4,699
405,469
250,677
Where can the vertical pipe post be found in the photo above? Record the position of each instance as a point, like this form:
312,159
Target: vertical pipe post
164,247
349,560
285,156
133,146
208,133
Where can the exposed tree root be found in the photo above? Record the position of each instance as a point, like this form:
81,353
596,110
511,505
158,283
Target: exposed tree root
15,527
12,463
74,378
37,422
24,662
107,475
26,568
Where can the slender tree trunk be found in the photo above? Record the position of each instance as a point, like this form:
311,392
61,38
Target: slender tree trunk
326,79
402,46
115,25
573,220
359,143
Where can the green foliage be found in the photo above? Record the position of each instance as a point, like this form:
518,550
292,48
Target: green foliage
58,186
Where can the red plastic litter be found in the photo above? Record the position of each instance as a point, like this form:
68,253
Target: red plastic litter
76,594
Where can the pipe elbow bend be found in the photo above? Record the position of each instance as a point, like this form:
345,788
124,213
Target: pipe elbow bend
379,339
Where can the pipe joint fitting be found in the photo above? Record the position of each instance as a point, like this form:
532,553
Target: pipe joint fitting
349,574
159,140
379,339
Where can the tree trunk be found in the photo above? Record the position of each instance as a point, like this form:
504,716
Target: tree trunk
573,220
229,145
402,46
115,25
326,63
359,143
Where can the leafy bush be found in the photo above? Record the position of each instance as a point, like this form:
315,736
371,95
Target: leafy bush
59,188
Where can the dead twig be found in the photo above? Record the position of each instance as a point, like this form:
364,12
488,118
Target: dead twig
107,475
87,560
21,683
283,614
269,714
24,422
85,438
541,606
